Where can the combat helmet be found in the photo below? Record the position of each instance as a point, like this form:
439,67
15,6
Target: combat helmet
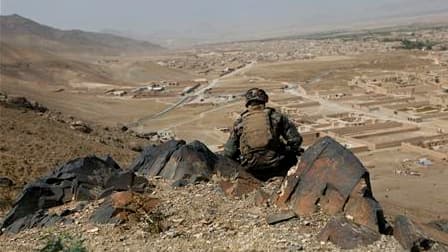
256,94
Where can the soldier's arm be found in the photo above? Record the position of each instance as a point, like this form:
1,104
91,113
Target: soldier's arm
291,134
232,146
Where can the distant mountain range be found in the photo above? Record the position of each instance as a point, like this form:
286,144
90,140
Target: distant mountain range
20,31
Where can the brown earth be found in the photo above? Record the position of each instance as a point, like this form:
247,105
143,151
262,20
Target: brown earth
28,33
35,143
200,218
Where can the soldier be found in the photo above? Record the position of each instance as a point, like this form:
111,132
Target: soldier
263,140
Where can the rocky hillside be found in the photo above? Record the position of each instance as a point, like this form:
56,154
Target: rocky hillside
178,196
48,138
28,33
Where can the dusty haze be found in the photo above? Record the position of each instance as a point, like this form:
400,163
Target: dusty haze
176,22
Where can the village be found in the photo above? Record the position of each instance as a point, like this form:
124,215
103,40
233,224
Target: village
371,106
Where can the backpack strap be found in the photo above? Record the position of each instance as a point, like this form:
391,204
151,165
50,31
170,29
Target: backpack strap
269,112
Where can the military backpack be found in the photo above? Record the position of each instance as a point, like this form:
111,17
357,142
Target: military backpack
257,131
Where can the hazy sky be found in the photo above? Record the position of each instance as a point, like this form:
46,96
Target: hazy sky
204,18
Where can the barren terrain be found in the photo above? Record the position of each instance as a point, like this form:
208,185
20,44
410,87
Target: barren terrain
387,104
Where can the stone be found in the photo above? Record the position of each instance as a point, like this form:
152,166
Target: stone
190,159
182,162
123,207
104,214
365,210
122,199
6,182
40,218
153,158
127,180
410,236
81,127
23,102
346,234
79,179
124,128
135,146
280,217
330,177
93,230
180,183
239,186
226,167
441,225
261,198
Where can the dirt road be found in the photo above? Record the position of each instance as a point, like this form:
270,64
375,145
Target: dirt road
191,96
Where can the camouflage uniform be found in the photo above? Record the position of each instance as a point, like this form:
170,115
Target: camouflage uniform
268,163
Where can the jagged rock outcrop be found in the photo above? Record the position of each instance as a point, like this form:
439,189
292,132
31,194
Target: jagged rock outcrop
346,234
21,102
441,225
409,236
177,160
123,207
330,178
416,236
242,184
86,178
153,158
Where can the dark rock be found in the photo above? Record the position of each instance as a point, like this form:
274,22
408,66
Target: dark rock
146,135
153,158
22,102
346,234
190,159
434,234
242,184
226,167
80,206
330,177
180,183
123,207
134,146
410,236
124,128
81,127
177,160
6,182
280,217
441,225
127,180
104,214
40,218
261,198
79,179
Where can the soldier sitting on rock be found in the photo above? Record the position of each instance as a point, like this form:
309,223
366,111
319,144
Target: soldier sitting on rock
263,140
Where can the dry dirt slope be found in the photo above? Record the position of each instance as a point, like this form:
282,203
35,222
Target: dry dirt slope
18,63
28,33
32,144
196,218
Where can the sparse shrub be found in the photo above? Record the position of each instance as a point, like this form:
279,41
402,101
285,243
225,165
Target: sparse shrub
155,222
390,39
409,44
63,243
444,48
